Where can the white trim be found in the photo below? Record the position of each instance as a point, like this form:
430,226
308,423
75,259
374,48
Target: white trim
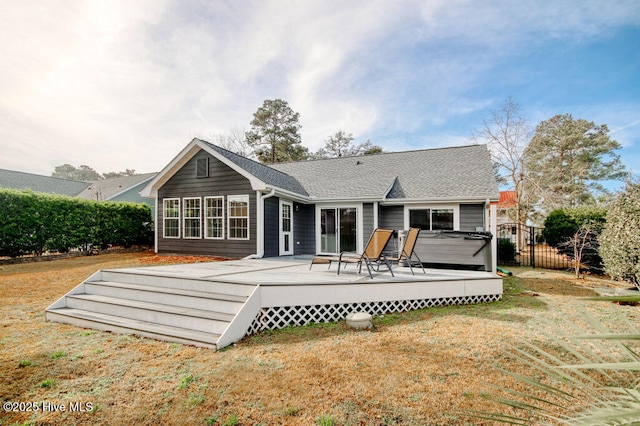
155,220
151,189
449,200
494,240
164,217
454,207
376,213
238,198
204,210
281,233
260,197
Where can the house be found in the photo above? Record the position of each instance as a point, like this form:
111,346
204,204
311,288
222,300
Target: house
120,189
213,201
10,179
505,207
123,188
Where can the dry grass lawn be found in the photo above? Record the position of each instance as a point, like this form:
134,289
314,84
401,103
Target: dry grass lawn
417,368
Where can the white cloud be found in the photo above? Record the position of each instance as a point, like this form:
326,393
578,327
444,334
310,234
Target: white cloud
124,84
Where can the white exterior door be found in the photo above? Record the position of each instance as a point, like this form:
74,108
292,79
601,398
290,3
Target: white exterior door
286,228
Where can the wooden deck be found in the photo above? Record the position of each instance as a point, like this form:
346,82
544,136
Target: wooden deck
229,300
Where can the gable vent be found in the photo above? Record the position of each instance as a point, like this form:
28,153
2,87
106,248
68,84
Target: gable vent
202,167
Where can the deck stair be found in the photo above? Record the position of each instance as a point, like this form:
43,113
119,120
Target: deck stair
201,312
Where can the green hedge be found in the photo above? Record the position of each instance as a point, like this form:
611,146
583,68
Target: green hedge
34,223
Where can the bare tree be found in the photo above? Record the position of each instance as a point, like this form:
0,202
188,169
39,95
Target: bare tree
584,240
234,140
507,134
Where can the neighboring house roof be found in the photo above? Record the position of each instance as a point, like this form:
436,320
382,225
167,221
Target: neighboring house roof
430,174
461,173
507,200
19,180
123,188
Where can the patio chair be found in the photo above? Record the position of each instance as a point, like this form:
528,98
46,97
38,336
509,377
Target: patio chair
372,253
408,250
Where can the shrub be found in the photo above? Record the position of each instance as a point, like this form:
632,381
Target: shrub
506,250
620,239
561,227
558,227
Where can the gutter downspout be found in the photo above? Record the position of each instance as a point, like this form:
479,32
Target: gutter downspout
260,224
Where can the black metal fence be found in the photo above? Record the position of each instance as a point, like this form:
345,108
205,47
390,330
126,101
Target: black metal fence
521,245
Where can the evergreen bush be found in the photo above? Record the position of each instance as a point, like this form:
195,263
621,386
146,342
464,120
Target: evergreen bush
34,223
506,251
620,238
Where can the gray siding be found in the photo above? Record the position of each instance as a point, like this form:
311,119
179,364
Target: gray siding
222,181
271,227
471,216
304,227
367,220
438,249
391,217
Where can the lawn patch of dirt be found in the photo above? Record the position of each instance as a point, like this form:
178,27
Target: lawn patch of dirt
417,368
561,287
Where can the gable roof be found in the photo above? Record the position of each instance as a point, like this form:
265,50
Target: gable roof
441,174
260,176
438,174
271,176
10,179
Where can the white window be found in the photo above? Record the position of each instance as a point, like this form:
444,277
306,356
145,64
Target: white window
171,217
238,217
192,217
434,218
213,217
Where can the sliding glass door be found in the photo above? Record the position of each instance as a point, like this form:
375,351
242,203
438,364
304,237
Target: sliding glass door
338,230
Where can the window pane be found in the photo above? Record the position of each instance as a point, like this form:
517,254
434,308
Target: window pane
328,231
237,228
238,217
348,229
286,218
419,219
214,217
192,217
172,228
171,208
171,218
442,219
192,228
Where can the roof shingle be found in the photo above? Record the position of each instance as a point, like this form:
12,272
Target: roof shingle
430,174
10,179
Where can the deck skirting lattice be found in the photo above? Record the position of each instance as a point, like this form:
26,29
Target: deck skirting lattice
273,318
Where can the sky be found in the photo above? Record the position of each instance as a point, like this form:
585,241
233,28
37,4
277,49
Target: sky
123,84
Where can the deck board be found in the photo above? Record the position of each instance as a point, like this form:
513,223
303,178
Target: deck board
295,271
